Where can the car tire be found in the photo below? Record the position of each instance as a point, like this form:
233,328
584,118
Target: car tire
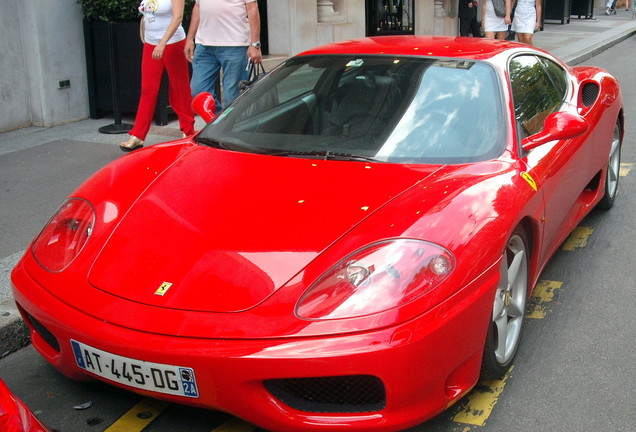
509,306
613,170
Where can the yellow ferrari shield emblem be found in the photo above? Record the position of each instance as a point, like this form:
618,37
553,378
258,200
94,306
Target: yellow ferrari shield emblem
530,180
163,288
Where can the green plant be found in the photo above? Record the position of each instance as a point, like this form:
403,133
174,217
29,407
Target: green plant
119,10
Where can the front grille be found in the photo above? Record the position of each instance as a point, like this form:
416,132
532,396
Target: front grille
336,394
589,94
44,333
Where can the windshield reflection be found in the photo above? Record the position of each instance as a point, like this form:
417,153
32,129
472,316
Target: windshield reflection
391,109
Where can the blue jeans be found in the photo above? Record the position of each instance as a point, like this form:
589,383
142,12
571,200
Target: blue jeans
207,62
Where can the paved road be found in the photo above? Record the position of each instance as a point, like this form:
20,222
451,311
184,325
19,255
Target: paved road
574,371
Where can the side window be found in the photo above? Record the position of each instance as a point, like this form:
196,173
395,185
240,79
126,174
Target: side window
537,91
557,77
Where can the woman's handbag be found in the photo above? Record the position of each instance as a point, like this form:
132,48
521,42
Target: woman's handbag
500,7
257,71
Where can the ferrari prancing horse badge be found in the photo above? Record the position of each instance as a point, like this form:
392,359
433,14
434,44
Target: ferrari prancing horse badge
163,288
530,180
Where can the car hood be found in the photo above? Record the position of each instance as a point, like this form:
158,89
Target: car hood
220,231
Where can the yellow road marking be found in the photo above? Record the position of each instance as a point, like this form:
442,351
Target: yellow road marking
139,416
481,401
235,425
543,293
625,169
578,238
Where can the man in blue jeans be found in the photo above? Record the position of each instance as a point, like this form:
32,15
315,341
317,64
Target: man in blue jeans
223,35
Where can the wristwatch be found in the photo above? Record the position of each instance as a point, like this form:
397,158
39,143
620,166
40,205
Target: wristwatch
256,44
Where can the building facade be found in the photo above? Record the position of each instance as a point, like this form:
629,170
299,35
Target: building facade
43,80
48,46
296,25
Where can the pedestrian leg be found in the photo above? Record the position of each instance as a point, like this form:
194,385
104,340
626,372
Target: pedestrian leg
234,66
179,93
151,72
205,69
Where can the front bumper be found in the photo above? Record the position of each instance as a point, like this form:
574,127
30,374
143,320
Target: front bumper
386,379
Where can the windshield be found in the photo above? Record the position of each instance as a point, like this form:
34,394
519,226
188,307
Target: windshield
389,109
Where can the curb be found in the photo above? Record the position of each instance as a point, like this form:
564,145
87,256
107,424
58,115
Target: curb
14,334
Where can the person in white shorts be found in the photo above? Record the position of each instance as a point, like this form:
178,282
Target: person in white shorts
527,19
495,27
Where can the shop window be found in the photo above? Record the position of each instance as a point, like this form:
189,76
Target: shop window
387,17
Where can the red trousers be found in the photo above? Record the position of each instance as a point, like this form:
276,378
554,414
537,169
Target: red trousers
179,95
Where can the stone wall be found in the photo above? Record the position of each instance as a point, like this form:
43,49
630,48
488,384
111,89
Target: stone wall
47,46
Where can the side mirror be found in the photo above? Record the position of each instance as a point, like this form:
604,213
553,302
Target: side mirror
204,105
558,126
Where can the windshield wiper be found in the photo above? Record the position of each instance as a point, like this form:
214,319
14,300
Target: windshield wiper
322,154
326,155
210,142
227,145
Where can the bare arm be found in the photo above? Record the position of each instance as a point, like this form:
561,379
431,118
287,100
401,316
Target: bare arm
142,30
507,18
192,32
254,19
177,17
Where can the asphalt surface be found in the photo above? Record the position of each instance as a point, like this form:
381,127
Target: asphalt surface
37,155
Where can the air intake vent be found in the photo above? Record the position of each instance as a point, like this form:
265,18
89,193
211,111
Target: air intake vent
589,93
46,335
336,394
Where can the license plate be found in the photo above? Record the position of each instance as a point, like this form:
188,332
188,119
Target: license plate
157,377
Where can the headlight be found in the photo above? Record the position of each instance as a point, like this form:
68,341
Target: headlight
64,236
376,278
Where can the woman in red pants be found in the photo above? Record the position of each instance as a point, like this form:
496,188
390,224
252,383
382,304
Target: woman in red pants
164,42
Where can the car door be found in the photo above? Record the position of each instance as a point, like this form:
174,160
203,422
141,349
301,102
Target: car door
559,168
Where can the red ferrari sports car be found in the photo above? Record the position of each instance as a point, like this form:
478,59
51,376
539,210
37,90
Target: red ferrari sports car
348,246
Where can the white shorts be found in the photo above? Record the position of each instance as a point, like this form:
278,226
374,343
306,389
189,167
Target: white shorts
493,23
525,19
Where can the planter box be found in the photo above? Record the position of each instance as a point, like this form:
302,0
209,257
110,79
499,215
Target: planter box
558,10
127,67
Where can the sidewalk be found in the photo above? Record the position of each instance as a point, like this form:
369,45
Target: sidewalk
574,43
583,38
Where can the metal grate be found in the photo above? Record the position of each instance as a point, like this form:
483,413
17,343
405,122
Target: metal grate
589,94
337,394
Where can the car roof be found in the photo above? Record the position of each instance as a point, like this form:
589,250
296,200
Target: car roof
433,46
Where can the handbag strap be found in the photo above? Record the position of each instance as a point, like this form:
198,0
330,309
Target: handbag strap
256,69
